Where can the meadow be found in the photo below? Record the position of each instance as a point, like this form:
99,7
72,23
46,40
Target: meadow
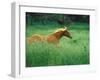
73,51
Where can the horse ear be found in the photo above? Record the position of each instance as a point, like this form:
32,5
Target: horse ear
65,27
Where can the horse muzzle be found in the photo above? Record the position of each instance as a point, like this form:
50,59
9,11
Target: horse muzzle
69,37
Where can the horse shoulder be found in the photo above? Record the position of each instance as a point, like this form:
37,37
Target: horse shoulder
52,39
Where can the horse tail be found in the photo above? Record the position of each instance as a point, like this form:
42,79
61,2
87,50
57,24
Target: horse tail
34,38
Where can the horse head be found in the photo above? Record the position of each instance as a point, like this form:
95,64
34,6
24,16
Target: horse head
67,33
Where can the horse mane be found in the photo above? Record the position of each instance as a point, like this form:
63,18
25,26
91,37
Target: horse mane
58,30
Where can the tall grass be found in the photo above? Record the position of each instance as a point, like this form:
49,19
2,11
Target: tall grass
73,51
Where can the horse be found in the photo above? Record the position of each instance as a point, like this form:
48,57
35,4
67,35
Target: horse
52,38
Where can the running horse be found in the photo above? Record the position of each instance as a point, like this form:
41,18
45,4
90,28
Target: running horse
52,38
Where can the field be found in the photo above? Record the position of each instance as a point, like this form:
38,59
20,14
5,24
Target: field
73,51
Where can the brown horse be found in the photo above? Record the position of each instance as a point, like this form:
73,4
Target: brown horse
52,38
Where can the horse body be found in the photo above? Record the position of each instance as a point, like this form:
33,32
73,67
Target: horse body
55,37
52,38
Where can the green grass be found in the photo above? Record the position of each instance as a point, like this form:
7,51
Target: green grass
73,51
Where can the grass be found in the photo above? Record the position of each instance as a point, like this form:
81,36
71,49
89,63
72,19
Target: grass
73,51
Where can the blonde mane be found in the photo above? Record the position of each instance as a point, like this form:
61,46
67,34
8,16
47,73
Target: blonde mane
61,29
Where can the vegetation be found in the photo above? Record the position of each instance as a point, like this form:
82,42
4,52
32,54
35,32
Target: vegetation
73,51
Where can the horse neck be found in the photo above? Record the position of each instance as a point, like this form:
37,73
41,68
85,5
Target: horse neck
58,35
